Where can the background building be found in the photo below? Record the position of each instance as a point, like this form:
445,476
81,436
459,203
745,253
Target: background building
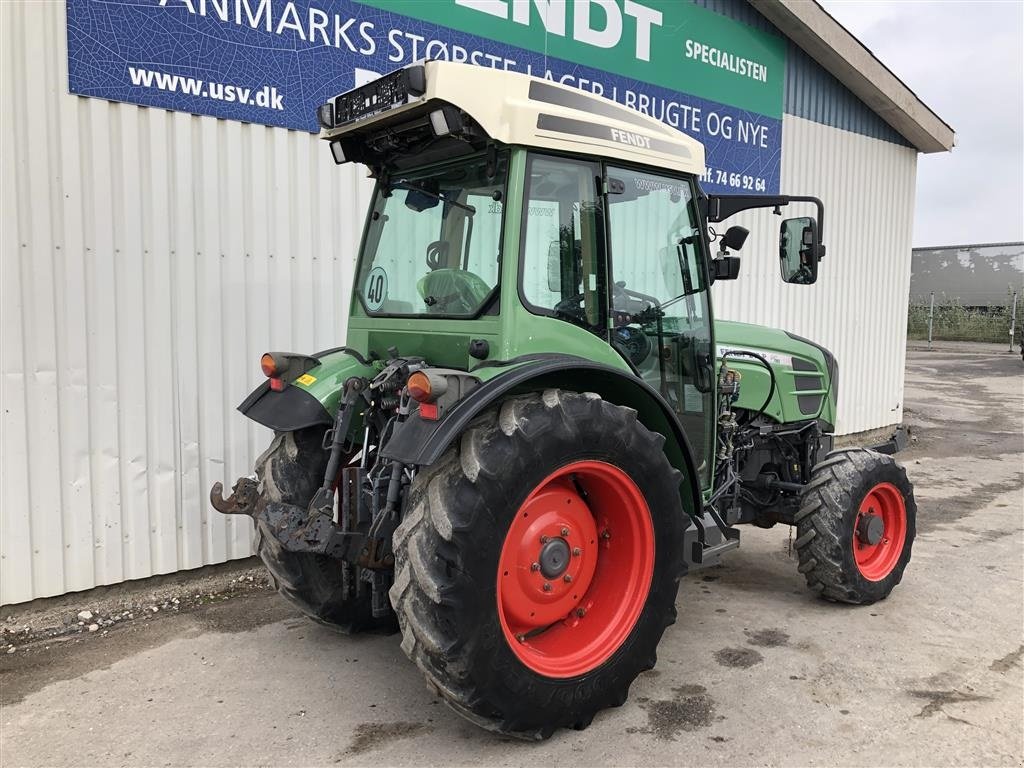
984,275
152,253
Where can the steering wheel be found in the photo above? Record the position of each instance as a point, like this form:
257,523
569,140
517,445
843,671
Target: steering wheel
571,308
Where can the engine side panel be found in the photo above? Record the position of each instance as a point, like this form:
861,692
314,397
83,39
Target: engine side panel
805,373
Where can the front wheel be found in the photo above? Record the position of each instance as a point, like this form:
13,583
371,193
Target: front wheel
856,526
538,563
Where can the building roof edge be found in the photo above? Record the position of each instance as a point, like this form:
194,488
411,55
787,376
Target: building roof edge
836,49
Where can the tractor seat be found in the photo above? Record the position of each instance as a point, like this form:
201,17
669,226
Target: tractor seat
452,291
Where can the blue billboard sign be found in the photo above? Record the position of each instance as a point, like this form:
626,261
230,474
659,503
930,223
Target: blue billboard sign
274,61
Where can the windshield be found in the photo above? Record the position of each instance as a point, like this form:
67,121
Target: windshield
433,245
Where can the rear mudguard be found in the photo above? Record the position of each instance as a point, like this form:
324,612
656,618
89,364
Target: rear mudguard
310,399
421,442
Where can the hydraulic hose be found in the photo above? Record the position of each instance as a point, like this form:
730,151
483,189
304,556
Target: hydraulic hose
771,375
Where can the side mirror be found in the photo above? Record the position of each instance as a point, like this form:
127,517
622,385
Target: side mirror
725,268
735,237
800,250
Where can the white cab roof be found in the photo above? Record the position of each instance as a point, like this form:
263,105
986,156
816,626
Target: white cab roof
515,108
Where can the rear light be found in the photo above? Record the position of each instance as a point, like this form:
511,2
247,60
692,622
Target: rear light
428,411
277,384
269,366
426,387
419,387
274,364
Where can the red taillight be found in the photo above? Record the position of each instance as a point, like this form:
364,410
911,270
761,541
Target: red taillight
277,384
269,365
420,389
428,411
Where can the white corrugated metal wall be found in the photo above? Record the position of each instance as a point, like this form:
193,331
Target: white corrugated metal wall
149,257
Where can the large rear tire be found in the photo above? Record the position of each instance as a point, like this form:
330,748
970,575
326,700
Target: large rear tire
856,526
326,590
538,562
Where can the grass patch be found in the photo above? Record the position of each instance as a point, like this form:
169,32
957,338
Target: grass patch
955,322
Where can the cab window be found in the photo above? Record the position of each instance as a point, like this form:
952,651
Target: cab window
563,242
433,244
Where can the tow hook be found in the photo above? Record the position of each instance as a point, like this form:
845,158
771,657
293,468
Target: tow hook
296,529
242,500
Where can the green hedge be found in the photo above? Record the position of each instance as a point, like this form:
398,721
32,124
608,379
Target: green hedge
954,322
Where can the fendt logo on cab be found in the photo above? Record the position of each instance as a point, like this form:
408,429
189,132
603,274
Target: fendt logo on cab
633,139
588,27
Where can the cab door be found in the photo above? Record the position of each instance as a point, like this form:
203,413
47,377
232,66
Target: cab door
660,312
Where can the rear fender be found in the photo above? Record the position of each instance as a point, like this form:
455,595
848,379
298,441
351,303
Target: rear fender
421,442
311,398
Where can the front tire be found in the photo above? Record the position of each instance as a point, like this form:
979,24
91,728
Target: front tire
538,563
325,589
856,526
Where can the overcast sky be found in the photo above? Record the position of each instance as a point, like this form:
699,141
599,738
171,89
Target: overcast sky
965,61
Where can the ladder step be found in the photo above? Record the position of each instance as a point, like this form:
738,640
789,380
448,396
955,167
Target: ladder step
709,554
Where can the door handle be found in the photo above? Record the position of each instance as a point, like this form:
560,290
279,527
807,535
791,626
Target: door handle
703,374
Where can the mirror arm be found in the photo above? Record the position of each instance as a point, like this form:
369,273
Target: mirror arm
721,207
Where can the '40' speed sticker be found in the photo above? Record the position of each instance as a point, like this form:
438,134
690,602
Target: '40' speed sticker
375,291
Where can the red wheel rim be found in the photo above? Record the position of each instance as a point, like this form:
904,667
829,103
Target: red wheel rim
575,569
875,560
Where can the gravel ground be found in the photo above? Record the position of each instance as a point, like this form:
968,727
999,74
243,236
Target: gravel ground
36,626
756,670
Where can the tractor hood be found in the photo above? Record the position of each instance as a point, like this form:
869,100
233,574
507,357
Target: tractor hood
805,372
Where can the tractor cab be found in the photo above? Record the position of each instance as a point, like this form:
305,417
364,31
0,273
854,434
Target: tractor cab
513,217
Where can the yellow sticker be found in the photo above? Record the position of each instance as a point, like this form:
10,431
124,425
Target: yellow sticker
305,379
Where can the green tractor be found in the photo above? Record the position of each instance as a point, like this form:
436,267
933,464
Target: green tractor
536,428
